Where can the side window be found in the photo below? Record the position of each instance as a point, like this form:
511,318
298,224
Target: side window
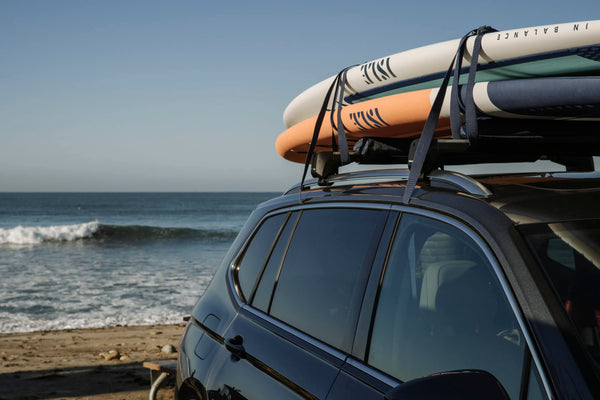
256,253
441,308
561,252
264,291
534,386
324,274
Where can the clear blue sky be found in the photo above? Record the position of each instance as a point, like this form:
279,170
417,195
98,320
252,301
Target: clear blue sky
189,95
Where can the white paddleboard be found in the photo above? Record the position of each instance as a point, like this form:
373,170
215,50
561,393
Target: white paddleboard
550,50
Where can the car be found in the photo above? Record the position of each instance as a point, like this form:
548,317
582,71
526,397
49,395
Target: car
480,286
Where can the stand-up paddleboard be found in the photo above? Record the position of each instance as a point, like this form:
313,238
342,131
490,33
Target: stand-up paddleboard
403,115
552,50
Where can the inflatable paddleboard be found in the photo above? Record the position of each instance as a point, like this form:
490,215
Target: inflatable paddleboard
551,50
403,115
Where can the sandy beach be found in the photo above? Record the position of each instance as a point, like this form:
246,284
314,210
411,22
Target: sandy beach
103,363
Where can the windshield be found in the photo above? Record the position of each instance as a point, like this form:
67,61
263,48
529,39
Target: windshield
570,254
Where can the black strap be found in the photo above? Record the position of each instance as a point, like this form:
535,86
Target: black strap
337,125
318,124
425,138
334,144
471,126
455,101
455,118
341,132
457,105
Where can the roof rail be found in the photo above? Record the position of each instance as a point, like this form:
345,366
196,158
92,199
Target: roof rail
458,181
354,178
438,178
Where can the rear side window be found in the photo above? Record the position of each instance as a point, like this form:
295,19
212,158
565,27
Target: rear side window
324,273
262,297
255,255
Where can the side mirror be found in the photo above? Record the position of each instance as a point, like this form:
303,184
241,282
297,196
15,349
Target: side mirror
455,385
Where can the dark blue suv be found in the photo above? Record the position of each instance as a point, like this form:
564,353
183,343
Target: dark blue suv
483,287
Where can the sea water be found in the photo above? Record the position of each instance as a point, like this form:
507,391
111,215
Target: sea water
79,260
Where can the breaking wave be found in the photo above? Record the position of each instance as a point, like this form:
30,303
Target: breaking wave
40,234
94,231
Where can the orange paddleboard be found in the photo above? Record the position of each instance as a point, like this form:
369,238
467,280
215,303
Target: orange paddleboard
396,116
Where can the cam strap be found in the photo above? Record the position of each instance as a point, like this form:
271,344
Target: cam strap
455,107
341,132
337,87
457,104
471,126
318,124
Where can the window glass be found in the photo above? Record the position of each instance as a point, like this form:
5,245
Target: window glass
535,388
561,252
255,255
441,309
262,297
569,253
325,270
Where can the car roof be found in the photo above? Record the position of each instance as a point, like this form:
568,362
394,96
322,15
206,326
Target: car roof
524,198
546,197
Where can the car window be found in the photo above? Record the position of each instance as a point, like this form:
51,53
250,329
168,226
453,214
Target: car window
441,308
569,253
262,298
256,253
534,386
324,274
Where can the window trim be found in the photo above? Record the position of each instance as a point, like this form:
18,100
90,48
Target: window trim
262,318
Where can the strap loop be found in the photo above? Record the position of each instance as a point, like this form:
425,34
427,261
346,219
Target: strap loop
337,87
318,124
470,110
455,108
341,132
455,100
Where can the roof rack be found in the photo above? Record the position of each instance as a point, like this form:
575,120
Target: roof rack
438,178
569,143
476,138
457,181
353,178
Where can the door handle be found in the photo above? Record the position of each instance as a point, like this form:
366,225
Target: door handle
235,346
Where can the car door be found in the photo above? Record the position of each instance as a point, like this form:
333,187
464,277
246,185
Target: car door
300,306
438,305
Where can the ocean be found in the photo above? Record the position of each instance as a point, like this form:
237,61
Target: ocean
83,260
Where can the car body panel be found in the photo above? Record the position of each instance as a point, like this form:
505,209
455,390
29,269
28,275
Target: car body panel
280,362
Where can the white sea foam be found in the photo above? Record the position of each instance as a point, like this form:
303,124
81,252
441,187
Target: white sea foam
14,323
148,260
40,234
73,296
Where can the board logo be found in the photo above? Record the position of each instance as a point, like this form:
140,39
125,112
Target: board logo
377,70
539,31
368,120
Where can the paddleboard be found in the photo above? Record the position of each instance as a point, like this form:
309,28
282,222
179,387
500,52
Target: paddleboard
551,50
403,115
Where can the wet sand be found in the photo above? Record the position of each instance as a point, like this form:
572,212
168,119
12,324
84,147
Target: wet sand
94,364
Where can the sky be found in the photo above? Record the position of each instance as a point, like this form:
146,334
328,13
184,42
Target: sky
189,95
